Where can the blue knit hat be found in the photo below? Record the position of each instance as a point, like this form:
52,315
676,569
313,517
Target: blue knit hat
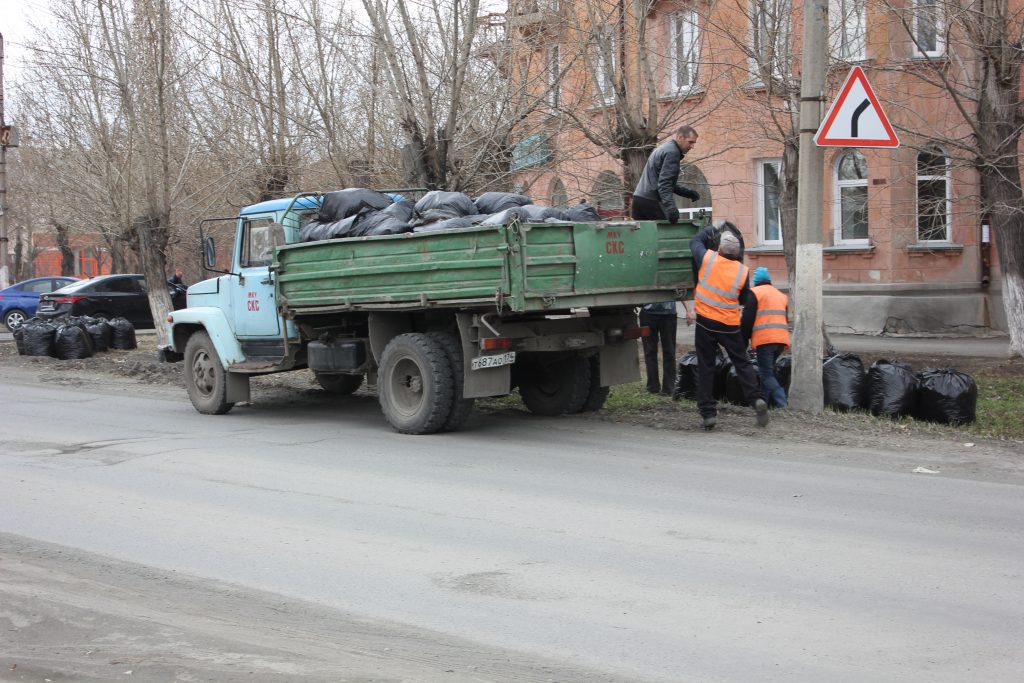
762,276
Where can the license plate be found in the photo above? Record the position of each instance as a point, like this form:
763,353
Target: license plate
46,306
484,362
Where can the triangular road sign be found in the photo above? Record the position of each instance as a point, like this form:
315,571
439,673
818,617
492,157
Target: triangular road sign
856,119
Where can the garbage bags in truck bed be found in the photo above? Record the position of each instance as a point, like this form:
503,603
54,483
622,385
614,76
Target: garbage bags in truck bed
342,204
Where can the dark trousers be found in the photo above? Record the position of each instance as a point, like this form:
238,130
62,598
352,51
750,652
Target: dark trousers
643,209
767,354
707,342
663,330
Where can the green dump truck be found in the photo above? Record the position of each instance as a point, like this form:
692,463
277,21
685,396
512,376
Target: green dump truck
434,319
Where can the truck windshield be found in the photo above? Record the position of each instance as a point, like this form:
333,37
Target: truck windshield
259,237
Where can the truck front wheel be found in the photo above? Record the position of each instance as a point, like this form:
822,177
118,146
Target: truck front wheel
556,388
205,378
415,384
337,383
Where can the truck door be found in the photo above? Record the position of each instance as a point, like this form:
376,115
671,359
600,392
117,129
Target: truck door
252,296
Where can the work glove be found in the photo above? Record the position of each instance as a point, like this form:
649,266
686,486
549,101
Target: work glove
692,195
673,215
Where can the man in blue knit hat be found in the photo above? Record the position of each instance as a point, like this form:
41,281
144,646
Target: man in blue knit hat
770,334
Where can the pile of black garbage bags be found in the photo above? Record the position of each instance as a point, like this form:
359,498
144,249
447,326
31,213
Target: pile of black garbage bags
888,388
358,212
71,337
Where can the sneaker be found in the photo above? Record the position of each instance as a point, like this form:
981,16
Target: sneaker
761,408
709,422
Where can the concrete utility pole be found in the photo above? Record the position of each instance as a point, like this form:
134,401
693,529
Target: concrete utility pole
806,392
5,276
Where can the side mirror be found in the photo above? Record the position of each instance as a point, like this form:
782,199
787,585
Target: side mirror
209,254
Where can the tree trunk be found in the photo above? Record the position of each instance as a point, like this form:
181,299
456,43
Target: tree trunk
152,241
789,193
67,256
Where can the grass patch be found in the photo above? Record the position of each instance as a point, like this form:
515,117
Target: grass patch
1000,408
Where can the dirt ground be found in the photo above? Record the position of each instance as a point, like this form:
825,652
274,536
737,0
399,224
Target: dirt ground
856,431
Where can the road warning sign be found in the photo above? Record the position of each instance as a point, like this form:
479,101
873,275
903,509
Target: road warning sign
856,118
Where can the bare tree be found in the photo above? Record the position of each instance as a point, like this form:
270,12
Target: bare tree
970,53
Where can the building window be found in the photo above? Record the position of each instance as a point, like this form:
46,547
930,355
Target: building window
771,24
849,35
933,196
769,221
87,262
554,70
684,51
559,197
604,61
608,192
928,39
850,199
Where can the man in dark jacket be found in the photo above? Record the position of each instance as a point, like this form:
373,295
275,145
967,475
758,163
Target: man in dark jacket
653,197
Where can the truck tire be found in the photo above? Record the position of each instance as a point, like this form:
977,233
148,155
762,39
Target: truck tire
597,394
557,388
415,384
337,383
461,407
206,380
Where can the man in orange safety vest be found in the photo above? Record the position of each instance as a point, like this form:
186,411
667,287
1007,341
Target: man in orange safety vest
722,284
770,335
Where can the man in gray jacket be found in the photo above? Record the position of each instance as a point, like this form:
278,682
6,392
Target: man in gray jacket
653,197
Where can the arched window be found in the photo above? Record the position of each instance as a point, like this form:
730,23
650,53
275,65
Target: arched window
933,197
608,191
559,197
690,176
850,199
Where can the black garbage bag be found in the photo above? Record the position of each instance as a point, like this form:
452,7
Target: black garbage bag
19,339
495,202
391,220
342,204
892,388
844,381
437,205
686,378
584,213
733,386
452,223
541,214
505,217
314,230
124,334
39,338
102,335
71,342
784,371
946,396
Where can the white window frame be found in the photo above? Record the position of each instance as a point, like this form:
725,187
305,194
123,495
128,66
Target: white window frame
949,197
776,11
760,213
849,33
837,199
683,39
604,73
553,65
919,9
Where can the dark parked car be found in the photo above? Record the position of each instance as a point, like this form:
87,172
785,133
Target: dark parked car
18,302
106,296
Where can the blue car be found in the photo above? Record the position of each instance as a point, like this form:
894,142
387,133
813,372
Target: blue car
18,302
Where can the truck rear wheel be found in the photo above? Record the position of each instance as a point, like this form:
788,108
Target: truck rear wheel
461,407
415,384
206,380
337,383
556,388
597,394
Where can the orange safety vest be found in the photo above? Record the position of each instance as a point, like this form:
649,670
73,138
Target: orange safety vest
770,325
717,295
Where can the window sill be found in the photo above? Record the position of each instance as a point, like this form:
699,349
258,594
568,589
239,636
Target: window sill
695,91
943,248
865,250
764,250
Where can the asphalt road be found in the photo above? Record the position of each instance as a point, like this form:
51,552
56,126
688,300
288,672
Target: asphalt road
310,542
